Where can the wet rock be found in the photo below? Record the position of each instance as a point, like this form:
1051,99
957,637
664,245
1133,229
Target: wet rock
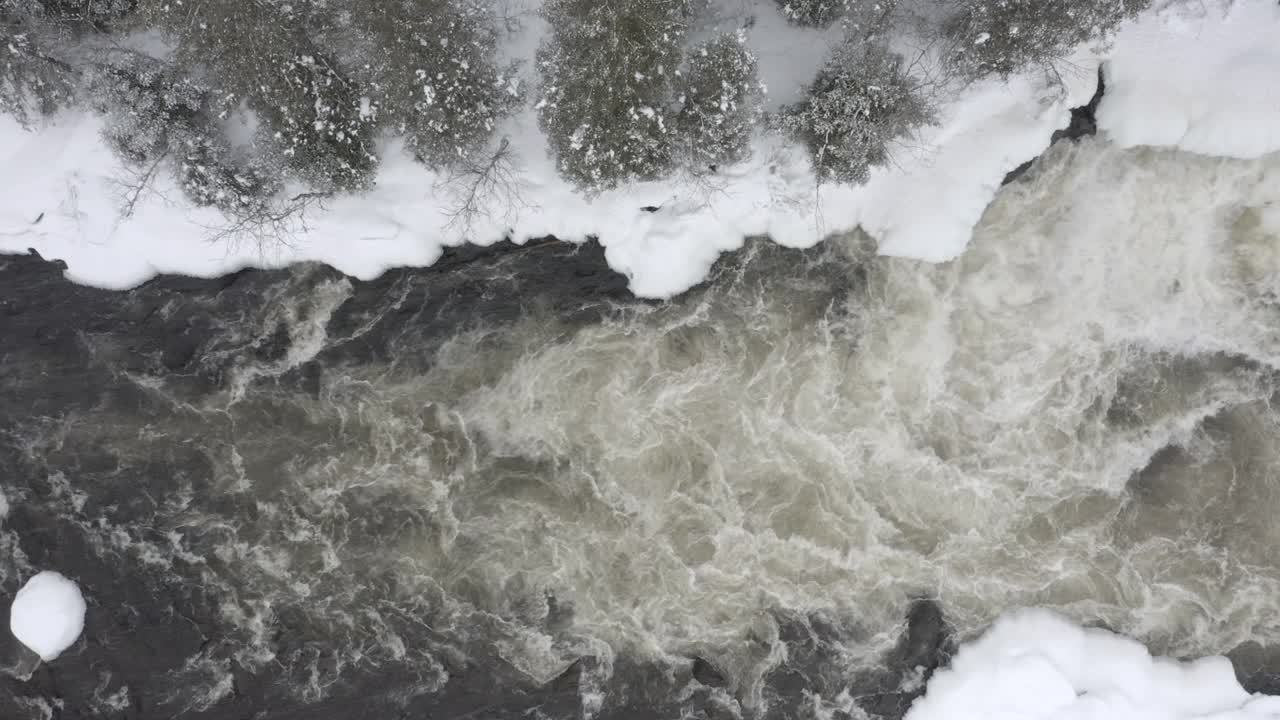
706,673
1257,667
1083,123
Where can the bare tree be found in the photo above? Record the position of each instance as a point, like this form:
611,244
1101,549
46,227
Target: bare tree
480,186
136,182
270,224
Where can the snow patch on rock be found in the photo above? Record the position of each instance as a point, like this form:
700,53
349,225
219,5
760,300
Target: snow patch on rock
47,614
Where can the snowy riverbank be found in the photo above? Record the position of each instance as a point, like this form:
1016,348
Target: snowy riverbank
1197,76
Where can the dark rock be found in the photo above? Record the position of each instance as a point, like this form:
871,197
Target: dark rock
706,673
1257,667
1083,124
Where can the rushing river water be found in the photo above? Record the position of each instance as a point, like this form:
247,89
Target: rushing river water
500,487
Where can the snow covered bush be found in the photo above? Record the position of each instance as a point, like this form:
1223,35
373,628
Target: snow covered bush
1002,36
32,81
431,73
719,93
608,70
858,105
259,55
145,107
855,14
96,14
211,176
814,13
157,120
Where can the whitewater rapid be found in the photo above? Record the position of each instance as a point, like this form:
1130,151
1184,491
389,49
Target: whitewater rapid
1075,414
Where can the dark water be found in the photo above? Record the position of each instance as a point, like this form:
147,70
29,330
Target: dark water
222,592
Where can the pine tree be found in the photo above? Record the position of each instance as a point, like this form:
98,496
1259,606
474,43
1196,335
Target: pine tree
607,75
87,14
719,93
259,54
32,80
155,119
429,67
1003,36
814,13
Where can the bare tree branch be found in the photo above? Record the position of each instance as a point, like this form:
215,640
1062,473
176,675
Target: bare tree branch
478,186
269,224
138,182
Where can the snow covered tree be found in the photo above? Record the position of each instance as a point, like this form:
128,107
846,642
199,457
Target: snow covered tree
430,70
854,14
145,106
32,80
861,101
94,14
1002,36
155,120
814,13
719,92
258,53
608,70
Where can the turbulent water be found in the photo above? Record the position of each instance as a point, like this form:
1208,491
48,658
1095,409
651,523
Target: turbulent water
502,488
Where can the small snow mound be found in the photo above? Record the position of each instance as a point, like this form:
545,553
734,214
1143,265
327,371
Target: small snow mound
1036,665
4,506
47,614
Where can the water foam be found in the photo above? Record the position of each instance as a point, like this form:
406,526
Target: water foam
1074,414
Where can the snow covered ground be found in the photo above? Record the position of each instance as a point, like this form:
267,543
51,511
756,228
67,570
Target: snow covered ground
1194,75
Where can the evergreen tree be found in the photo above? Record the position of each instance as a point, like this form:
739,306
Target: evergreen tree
1003,36
608,70
430,70
814,13
861,16
156,119
97,15
32,80
259,53
718,101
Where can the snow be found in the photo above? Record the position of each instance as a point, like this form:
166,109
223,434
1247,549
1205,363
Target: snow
47,614
60,194
1200,77
1036,665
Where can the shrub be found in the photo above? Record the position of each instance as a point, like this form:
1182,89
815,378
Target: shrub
607,77
861,101
429,66
1002,36
718,104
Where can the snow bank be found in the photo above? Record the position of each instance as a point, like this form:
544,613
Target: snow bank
1201,77
59,193
47,614
1035,665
